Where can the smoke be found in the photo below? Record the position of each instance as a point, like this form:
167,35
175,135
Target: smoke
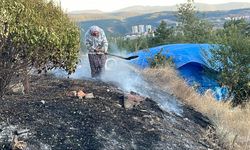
82,70
127,77
121,73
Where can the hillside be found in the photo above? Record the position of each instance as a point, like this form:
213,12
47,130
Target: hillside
48,118
123,26
199,6
140,10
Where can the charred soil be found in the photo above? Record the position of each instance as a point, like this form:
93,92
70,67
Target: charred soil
54,120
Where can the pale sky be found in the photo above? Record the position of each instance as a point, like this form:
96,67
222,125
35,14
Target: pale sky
111,5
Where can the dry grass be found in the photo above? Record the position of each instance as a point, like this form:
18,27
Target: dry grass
232,124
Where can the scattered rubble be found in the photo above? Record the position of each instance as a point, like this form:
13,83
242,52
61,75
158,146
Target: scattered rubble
72,94
105,122
89,96
81,94
17,88
18,144
132,100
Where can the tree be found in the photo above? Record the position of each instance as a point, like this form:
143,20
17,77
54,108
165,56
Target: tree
37,34
232,60
163,35
194,29
131,45
242,25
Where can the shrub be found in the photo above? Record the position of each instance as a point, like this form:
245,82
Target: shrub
35,33
160,60
232,60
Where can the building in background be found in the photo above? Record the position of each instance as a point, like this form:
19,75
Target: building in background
140,30
135,29
148,28
246,17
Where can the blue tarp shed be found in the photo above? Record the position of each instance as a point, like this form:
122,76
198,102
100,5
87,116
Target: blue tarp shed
190,61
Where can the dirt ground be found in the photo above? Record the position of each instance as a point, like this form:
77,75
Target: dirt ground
53,120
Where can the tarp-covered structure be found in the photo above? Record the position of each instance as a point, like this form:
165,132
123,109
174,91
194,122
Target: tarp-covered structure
191,62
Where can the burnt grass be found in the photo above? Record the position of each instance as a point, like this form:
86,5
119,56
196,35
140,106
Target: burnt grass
68,123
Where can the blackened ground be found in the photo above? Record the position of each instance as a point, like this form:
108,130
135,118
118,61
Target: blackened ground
59,122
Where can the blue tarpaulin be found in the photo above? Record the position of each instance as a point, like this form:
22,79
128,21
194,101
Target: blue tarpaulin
190,60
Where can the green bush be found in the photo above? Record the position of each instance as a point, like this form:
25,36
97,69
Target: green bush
159,60
35,33
131,45
163,35
232,60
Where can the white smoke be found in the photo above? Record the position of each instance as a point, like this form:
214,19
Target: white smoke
82,70
121,73
128,78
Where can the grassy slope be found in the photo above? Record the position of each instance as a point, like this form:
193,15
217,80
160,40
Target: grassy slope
232,124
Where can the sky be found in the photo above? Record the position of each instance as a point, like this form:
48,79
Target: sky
112,5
